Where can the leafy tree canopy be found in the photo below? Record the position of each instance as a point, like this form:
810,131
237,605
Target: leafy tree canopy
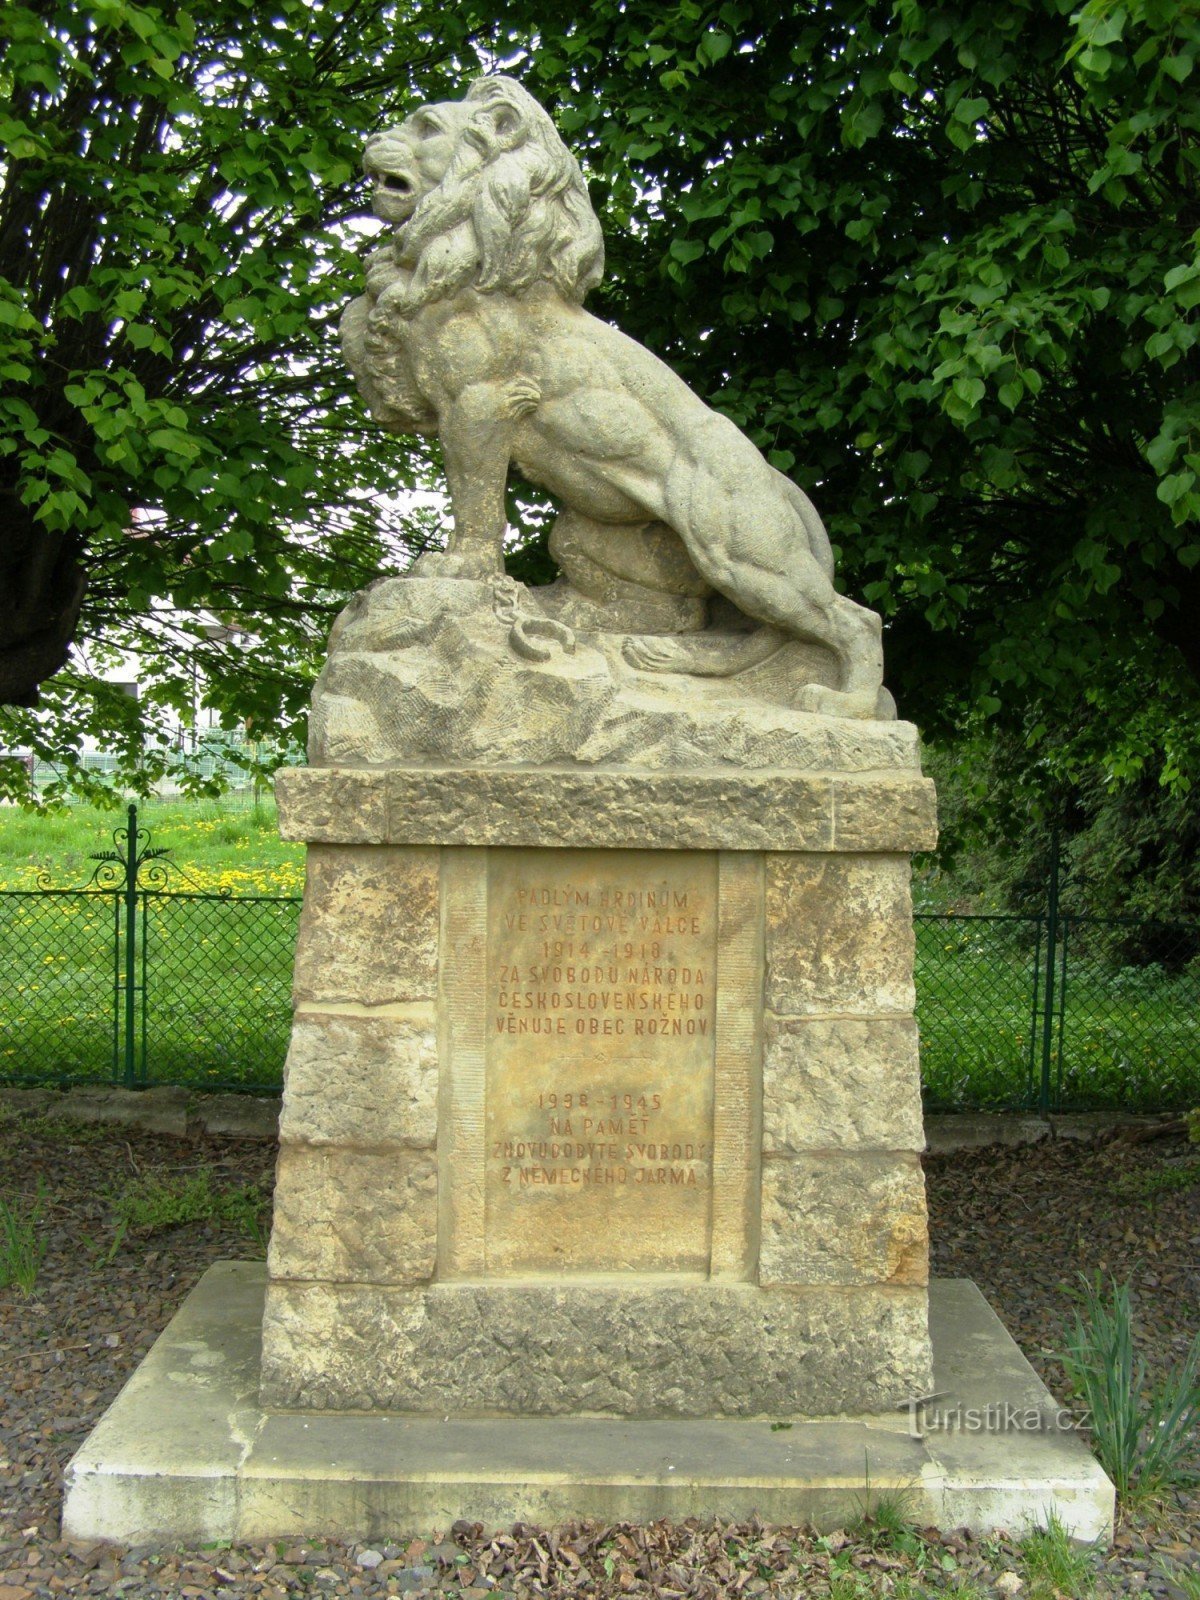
939,259
174,419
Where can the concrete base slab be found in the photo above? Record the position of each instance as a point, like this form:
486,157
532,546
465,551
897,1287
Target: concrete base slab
187,1453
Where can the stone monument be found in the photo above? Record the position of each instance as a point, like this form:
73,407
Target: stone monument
601,1128
603,1091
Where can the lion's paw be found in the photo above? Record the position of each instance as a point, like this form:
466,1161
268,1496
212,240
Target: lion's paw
651,655
861,705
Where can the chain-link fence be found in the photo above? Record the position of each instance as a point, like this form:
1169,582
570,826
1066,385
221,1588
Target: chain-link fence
59,986
216,989
1061,1013
126,982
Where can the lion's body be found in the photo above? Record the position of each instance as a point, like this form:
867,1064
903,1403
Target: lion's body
585,412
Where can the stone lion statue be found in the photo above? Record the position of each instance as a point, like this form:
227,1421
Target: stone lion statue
472,327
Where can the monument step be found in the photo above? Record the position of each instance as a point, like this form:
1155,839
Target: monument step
186,1453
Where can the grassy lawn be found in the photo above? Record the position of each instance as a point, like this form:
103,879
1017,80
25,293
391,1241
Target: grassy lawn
1130,1036
219,846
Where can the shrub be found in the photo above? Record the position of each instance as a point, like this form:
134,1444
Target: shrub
1142,1433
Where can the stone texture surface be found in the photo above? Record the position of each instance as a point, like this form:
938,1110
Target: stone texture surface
345,805
836,1218
839,935
751,810
841,1083
638,1349
869,815
363,1079
355,1215
369,928
422,670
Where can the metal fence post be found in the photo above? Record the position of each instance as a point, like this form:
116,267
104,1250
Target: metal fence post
131,877
1048,992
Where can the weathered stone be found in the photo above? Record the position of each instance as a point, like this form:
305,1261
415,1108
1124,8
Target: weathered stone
582,809
369,928
344,806
949,1132
598,806
597,1094
366,1080
869,815
236,1116
551,1349
687,504
836,1218
841,1083
354,1215
423,670
839,935
188,1453
162,1109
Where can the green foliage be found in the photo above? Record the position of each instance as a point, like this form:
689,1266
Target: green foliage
940,260
177,195
1149,1183
1185,1579
22,1247
1130,846
1143,1435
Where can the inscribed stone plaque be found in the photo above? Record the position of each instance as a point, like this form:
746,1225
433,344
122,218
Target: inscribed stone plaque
601,1006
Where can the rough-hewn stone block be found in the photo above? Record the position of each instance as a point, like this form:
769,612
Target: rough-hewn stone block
357,1215
839,935
884,812
332,805
837,1218
841,1083
369,1079
633,1349
369,928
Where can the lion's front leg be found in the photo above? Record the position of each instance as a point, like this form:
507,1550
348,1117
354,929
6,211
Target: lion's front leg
476,430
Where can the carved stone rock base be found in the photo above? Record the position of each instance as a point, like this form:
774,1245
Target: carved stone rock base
436,669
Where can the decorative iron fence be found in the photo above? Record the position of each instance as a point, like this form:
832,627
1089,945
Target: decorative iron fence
129,980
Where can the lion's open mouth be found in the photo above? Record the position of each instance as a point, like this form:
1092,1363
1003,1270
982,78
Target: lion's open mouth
395,195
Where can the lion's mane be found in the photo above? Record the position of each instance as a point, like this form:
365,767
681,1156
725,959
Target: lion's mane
511,212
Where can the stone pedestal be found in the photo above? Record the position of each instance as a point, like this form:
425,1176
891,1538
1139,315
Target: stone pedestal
603,1096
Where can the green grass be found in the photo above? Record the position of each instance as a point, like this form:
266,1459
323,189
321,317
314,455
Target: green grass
1144,1435
21,1244
1149,1183
149,1203
221,848
1185,1579
1132,1035
1055,1565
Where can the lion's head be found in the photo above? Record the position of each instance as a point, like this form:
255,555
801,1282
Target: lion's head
485,195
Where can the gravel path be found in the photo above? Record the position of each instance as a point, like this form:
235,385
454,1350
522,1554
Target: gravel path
1023,1223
